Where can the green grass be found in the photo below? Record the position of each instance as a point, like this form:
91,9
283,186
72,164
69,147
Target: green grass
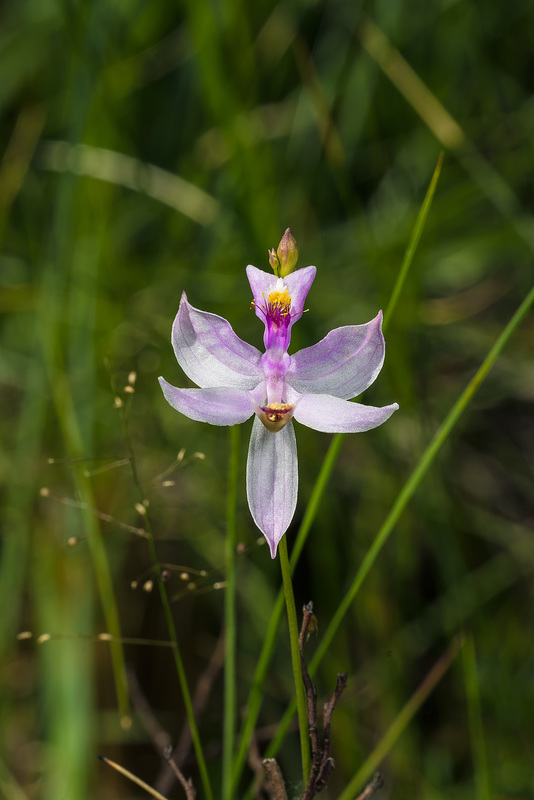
147,149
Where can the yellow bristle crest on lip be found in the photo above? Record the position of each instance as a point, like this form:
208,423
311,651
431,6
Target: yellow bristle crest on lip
279,302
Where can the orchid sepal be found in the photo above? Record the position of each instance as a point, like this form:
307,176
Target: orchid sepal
210,352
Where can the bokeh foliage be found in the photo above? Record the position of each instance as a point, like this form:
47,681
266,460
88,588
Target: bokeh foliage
151,148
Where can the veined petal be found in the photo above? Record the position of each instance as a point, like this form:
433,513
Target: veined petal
323,412
216,406
298,285
342,364
210,353
272,480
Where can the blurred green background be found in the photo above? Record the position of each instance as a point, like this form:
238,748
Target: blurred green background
149,148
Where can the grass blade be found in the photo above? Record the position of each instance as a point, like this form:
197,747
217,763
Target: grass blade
402,721
414,241
230,702
476,727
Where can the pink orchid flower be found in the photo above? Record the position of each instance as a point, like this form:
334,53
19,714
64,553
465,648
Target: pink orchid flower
313,386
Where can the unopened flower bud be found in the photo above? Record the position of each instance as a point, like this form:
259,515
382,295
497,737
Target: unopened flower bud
288,253
273,261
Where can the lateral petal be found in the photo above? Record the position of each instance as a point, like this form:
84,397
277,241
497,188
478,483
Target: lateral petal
210,352
323,412
216,406
272,480
343,364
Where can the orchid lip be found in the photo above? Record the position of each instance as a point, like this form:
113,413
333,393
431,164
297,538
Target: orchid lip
275,416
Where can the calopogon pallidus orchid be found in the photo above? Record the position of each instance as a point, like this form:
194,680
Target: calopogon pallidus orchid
313,386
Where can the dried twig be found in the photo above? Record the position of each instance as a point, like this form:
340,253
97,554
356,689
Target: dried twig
159,736
255,763
277,789
132,777
187,785
373,786
322,763
311,697
327,763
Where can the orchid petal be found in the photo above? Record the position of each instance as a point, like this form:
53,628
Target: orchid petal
272,480
298,284
323,412
210,353
343,364
216,406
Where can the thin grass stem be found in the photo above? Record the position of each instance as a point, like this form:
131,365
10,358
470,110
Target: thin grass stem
169,619
414,241
399,725
476,726
230,702
300,693
69,423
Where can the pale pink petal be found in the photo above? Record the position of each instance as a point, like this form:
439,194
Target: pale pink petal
216,406
210,353
323,412
344,363
272,480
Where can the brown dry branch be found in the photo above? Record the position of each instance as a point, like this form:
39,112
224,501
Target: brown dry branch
275,781
159,736
187,785
322,763
373,786
256,765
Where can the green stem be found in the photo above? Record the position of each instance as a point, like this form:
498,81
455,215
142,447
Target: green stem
182,679
256,691
230,703
300,694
